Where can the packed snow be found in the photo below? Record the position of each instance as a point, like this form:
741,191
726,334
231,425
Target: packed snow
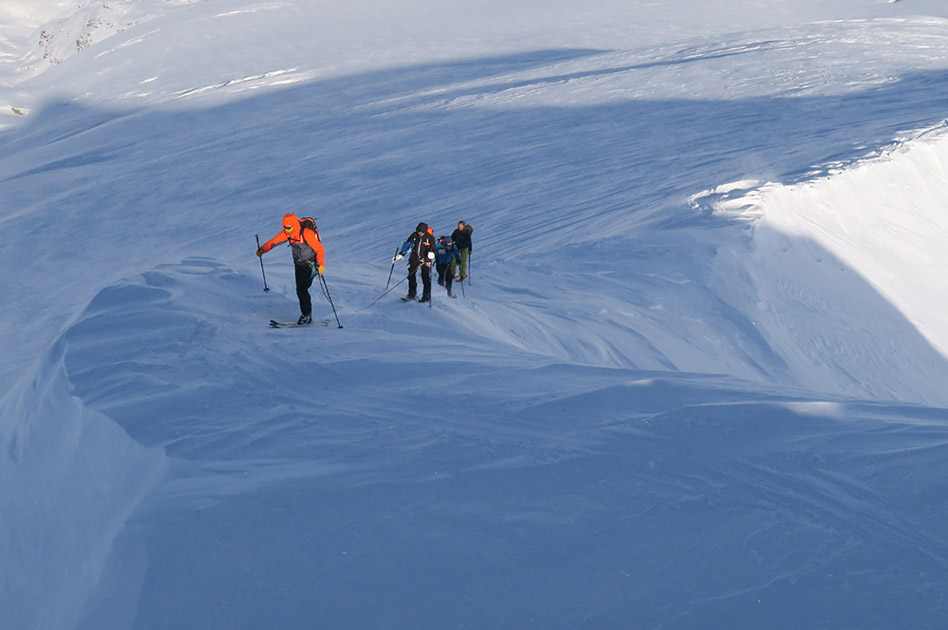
695,379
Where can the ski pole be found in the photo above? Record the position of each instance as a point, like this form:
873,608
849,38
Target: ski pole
392,269
470,266
376,300
266,289
329,297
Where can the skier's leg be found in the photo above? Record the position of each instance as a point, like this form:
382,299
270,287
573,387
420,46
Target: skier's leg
426,281
304,280
412,282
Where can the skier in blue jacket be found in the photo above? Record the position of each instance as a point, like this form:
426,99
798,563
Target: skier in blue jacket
447,256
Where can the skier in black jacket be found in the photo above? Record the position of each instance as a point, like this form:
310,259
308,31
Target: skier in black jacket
422,245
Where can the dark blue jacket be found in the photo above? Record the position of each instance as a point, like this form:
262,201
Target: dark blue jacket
445,254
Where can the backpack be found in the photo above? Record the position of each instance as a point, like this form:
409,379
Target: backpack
309,222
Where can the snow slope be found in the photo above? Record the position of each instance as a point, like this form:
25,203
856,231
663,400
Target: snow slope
696,380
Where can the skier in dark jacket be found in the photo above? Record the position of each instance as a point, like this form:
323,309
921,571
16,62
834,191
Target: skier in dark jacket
447,256
422,246
309,258
462,240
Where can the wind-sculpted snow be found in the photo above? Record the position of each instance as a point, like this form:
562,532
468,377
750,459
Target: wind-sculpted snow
312,474
864,240
694,380
70,478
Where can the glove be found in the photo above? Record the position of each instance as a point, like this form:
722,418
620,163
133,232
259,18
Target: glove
320,269
259,252
431,256
398,257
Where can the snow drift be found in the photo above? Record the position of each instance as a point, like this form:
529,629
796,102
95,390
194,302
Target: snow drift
859,250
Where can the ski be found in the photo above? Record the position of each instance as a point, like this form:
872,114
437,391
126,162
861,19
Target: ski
316,322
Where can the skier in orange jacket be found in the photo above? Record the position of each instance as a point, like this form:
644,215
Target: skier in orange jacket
309,258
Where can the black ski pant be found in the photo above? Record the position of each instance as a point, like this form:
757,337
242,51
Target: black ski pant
304,280
445,275
425,281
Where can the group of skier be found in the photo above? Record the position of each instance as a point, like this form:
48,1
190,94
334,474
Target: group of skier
449,254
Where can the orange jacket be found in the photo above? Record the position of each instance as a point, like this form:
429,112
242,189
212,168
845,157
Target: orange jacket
305,244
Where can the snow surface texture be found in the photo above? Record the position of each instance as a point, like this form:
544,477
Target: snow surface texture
696,380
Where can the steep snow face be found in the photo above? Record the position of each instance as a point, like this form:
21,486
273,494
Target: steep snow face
884,219
844,274
70,478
